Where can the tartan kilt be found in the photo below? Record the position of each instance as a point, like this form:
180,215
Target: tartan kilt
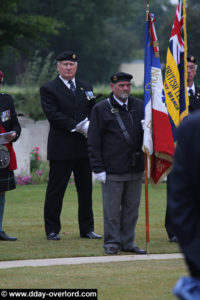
7,180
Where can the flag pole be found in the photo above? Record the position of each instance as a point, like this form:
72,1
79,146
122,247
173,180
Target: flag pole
146,179
147,11
146,203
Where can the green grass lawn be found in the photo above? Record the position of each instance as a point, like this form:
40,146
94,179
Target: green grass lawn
148,280
24,218
136,280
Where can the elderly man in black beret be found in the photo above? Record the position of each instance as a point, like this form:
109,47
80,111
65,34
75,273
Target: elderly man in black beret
67,102
115,138
192,89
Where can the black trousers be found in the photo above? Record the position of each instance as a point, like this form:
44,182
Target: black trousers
59,175
168,223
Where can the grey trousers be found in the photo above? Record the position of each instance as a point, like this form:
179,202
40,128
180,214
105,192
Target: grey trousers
121,200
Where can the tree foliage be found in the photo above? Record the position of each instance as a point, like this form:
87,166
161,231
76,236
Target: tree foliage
21,32
17,28
96,30
102,33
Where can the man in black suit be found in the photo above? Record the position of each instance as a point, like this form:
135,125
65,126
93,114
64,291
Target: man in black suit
184,193
192,89
67,102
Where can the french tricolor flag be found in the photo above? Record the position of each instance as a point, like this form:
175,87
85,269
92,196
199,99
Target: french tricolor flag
158,139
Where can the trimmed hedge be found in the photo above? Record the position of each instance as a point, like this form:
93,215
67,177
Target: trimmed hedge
27,100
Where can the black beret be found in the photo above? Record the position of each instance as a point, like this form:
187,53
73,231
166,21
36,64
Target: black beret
120,76
67,55
191,58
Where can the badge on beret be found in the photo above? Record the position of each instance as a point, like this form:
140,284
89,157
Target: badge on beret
114,78
120,76
74,56
192,58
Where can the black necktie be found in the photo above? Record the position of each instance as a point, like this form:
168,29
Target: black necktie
191,92
124,106
72,87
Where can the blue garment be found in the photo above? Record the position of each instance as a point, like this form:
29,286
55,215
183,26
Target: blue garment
187,288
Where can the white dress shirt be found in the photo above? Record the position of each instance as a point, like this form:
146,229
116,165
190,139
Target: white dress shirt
191,88
120,102
66,82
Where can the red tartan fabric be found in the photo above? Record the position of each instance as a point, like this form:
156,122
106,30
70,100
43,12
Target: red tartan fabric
13,161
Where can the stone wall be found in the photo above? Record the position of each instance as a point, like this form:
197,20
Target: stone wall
135,68
33,134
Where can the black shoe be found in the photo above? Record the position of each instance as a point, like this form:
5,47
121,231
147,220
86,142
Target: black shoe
5,237
111,250
135,249
53,236
173,240
91,235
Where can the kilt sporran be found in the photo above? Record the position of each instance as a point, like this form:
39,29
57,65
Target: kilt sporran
4,157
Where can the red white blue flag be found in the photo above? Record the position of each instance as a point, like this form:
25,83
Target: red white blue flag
158,140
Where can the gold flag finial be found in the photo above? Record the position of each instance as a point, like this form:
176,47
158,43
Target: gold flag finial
147,11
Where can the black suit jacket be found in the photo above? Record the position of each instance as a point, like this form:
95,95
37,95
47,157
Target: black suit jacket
8,117
64,111
184,193
194,101
107,146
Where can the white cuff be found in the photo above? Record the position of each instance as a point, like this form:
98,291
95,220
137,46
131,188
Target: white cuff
100,176
143,124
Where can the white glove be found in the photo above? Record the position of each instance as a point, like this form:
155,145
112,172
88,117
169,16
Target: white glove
100,176
82,127
143,124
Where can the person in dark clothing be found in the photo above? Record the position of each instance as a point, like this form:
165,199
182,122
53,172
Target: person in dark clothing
194,104
118,162
192,89
67,102
8,124
184,202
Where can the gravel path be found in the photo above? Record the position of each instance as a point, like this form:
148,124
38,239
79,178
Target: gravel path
84,260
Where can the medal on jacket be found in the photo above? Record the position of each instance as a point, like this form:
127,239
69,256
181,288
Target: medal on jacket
5,115
89,95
